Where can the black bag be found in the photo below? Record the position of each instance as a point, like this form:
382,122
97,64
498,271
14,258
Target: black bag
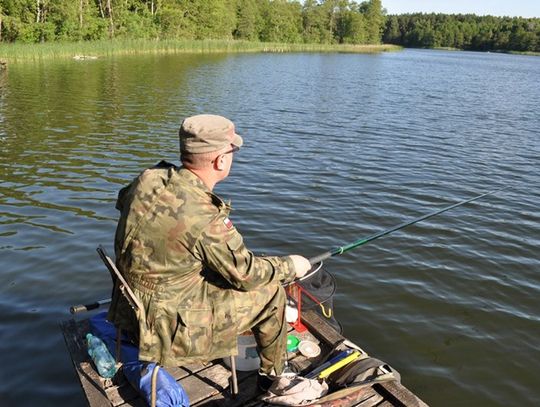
362,371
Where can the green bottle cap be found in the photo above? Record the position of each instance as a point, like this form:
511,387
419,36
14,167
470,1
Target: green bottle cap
292,343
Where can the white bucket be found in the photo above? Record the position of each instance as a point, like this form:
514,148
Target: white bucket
248,358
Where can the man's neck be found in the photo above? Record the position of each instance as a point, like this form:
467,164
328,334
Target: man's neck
207,177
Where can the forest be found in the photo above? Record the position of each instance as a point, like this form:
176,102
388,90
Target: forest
283,21
310,21
467,32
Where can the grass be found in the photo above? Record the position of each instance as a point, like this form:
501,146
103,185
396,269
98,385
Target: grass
447,49
31,52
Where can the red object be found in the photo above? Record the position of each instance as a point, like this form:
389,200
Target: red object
295,293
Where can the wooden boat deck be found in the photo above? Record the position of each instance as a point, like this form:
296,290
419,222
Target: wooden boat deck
208,385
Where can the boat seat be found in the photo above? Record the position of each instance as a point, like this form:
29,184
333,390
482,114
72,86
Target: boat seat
120,284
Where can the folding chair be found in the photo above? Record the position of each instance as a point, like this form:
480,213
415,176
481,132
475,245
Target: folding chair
119,283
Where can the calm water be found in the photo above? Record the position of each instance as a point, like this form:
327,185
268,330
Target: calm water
338,147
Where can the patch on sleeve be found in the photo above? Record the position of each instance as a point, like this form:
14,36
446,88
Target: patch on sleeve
227,222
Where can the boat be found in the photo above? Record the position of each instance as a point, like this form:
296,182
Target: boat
218,383
210,384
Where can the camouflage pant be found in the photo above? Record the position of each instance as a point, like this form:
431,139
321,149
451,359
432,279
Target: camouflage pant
263,311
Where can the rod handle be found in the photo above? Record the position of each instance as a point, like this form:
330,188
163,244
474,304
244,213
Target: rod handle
75,309
319,258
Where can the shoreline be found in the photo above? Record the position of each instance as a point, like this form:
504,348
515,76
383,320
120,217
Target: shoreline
20,52
494,51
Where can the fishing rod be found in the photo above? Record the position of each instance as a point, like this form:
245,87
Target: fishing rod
334,252
342,249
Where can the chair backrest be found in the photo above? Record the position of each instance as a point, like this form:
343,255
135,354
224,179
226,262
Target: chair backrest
119,282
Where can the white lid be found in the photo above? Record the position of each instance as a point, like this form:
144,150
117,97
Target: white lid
309,349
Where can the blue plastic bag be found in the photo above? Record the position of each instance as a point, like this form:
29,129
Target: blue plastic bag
169,393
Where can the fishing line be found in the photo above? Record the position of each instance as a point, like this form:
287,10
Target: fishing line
343,249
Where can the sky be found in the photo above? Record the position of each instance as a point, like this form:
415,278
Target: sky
513,8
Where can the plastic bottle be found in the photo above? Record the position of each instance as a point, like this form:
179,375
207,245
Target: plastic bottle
105,363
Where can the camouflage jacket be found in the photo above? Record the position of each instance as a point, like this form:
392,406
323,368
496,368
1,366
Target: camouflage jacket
183,258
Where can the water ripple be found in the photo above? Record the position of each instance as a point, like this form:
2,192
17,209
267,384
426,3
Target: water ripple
338,147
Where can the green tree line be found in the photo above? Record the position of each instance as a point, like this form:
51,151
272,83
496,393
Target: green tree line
468,32
310,21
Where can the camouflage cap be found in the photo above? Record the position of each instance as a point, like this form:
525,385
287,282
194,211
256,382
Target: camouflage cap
205,133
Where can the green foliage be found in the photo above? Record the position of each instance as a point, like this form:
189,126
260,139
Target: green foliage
316,26
10,28
392,33
174,23
282,21
292,21
249,20
469,32
375,21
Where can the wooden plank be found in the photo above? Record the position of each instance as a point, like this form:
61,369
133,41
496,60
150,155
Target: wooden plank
118,395
321,329
248,392
371,401
138,402
206,383
116,392
89,379
99,391
398,394
363,396
180,372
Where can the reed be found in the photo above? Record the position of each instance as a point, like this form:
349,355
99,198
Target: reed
81,50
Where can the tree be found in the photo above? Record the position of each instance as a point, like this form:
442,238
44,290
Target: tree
248,17
174,22
211,19
392,34
282,21
315,23
351,24
374,20
1,11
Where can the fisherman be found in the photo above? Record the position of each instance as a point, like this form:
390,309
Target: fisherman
182,256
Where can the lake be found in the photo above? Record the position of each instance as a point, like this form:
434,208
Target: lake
337,147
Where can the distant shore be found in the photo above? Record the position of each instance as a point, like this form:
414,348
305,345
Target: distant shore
17,52
530,53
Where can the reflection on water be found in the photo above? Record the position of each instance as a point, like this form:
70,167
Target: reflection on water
338,147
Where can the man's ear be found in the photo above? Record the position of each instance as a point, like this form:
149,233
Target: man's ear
219,163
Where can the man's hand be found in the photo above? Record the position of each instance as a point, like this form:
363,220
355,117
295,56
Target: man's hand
301,265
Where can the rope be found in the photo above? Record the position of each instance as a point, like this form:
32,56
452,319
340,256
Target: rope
154,385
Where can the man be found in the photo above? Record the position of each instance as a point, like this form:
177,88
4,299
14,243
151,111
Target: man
199,285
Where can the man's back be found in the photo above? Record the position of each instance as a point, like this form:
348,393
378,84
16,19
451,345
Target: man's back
163,213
